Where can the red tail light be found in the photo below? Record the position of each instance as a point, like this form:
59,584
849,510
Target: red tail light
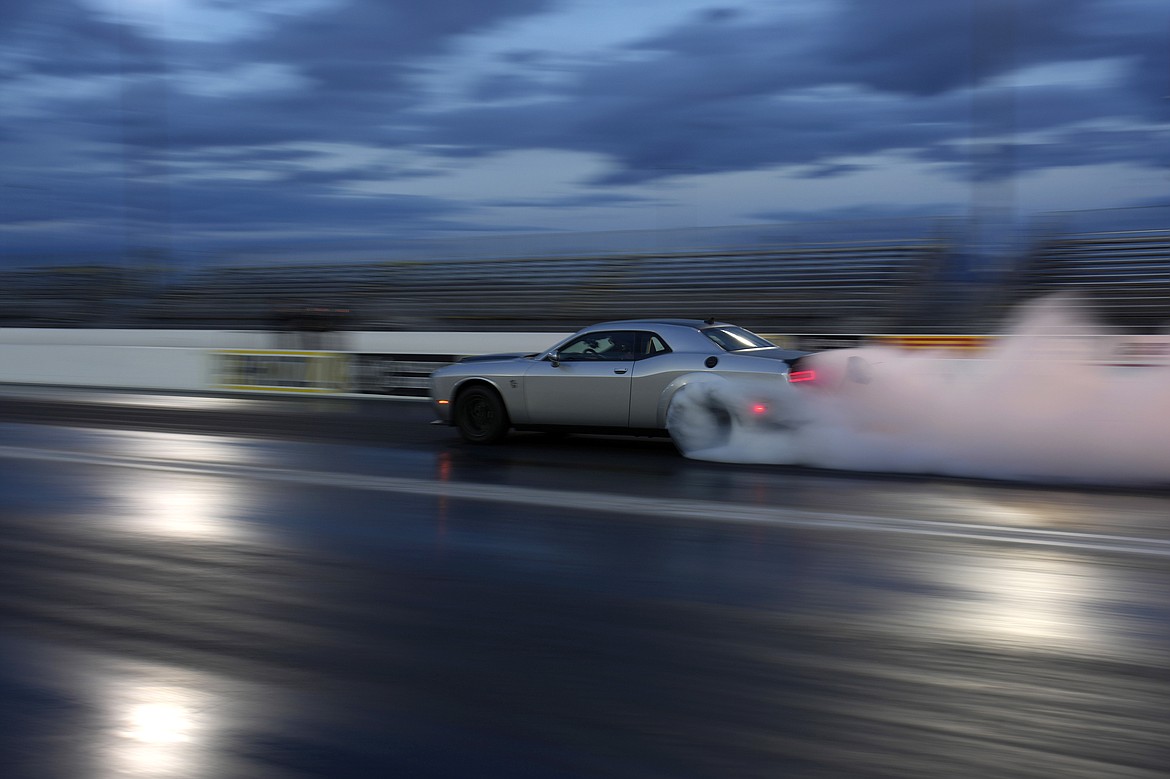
795,376
759,408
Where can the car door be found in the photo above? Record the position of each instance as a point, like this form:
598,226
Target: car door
587,385
656,368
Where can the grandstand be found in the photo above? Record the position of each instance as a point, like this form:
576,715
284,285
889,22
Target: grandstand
825,285
917,284
1121,279
65,296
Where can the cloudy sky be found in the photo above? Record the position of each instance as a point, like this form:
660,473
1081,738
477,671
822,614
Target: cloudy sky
205,126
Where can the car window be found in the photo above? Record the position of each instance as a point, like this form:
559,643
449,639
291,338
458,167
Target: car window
652,344
580,349
592,346
734,339
615,345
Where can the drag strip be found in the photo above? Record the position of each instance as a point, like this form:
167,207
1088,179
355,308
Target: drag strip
183,590
674,510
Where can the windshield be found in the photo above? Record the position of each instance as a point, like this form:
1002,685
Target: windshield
734,339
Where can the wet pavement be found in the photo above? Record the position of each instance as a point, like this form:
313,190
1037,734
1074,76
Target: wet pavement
212,592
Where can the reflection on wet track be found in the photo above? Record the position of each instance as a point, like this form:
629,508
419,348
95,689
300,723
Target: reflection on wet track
214,592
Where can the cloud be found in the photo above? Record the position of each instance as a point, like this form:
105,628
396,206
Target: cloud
727,95
586,200
194,97
362,46
829,170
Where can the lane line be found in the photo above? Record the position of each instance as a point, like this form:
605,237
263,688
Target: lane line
589,502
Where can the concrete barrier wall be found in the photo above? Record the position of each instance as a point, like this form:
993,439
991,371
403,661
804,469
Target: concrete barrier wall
208,339
393,364
368,363
145,367
367,342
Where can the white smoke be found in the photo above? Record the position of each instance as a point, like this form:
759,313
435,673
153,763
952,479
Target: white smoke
1043,403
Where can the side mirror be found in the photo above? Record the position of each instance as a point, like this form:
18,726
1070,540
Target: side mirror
555,358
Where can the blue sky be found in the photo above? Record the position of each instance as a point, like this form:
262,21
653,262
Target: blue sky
209,127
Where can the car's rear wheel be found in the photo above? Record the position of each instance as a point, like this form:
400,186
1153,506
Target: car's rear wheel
480,416
696,425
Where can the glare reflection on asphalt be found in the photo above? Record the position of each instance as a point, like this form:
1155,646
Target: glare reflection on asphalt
182,447
159,729
1032,600
187,507
969,506
179,505
137,719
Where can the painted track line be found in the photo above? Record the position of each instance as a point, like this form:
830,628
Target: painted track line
589,502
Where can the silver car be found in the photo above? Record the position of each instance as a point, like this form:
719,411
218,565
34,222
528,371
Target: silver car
613,377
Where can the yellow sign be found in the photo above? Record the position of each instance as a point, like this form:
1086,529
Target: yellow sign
280,371
959,342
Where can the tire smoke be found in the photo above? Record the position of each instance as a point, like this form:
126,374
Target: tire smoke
1044,403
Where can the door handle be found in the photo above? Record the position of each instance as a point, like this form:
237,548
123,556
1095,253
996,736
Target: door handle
620,370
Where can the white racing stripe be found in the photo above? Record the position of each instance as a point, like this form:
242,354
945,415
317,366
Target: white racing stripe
589,502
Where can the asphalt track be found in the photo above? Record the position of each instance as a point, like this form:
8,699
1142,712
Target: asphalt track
232,587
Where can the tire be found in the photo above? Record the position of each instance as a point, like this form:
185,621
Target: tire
697,427
480,416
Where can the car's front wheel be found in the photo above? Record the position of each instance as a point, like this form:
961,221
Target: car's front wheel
480,416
